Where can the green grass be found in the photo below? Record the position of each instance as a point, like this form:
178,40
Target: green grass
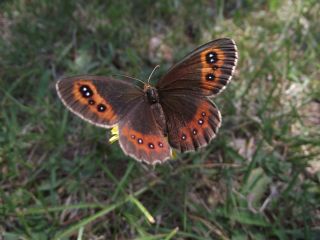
259,179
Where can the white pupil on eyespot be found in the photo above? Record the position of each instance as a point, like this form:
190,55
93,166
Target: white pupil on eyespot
87,94
84,89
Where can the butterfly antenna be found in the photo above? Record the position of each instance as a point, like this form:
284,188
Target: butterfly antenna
152,73
122,75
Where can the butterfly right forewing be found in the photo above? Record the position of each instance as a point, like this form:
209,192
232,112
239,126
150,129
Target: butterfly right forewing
205,71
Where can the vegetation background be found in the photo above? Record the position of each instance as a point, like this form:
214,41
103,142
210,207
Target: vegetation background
259,179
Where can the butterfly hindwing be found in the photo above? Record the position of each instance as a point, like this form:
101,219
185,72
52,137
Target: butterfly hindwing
192,122
141,137
205,71
99,100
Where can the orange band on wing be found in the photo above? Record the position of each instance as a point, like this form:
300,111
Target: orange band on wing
145,142
211,68
217,66
93,100
202,128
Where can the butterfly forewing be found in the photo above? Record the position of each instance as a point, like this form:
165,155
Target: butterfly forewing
206,71
99,100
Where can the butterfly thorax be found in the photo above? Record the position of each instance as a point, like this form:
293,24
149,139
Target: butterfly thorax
151,94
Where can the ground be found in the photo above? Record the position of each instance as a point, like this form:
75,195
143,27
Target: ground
61,179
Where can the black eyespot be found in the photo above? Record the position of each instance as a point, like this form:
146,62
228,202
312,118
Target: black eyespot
91,102
160,144
194,132
151,145
211,57
133,136
210,76
203,114
84,88
214,67
183,137
101,108
200,121
140,141
86,91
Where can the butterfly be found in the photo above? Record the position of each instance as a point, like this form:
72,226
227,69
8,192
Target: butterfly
177,113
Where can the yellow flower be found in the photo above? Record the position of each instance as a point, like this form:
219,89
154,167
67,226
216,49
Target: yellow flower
114,134
174,154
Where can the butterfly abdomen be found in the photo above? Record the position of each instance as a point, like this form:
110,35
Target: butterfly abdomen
156,108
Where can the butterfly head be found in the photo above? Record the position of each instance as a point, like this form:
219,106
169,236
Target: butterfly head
151,94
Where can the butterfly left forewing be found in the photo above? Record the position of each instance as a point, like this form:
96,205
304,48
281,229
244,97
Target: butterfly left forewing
99,100
205,71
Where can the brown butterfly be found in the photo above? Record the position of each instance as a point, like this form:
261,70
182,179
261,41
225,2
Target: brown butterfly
177,113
